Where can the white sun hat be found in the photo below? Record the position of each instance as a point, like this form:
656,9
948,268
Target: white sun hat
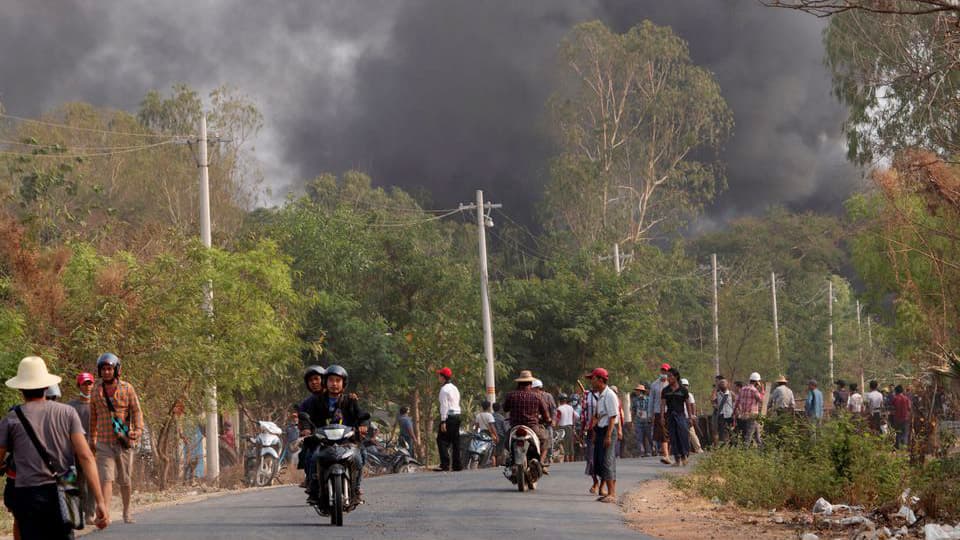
32,375
684,382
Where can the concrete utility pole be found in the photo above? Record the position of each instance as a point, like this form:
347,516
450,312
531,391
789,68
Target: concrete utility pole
860,343
716,318
483,221
616,257
212,465
776,316
830,313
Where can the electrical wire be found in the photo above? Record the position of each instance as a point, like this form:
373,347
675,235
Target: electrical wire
411,223
90,130
67,146
97,154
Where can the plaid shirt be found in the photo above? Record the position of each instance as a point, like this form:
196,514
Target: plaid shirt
126,403
526,408
748,403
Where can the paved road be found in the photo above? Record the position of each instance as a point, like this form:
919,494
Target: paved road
466,505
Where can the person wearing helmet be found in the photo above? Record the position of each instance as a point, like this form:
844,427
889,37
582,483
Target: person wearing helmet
81,403
116,424
313,380
334,406
747,409
53,393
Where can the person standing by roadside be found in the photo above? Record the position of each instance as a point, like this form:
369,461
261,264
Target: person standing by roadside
406,431
782,400
676,407
38,427
855,402
840,397
641,420
901,417
605,433
81,404
724,404
589,443
748,409
501,424
692,418
448,432
874,407
116,423
814,404
655,412
484,421
566,419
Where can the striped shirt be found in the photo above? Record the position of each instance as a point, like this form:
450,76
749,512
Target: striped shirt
126,403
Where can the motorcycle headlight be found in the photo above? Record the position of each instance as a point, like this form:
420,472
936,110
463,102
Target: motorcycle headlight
334,434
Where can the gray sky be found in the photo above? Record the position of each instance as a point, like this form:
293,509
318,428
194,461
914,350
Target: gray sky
446,95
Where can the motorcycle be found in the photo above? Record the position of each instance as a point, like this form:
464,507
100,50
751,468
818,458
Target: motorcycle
524,468
479,450
390,459
262,459
335,470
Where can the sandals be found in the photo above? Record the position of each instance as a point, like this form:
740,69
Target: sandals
593,490
607,499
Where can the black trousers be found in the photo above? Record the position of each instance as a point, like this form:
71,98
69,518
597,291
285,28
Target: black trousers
37,510
448,442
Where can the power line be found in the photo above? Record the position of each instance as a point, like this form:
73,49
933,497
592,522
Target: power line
91,130
97,154
67,146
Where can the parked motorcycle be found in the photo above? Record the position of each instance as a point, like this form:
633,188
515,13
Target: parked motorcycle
389,458
335,470
524,468
262,459
479,450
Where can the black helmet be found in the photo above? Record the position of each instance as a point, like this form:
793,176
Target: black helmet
339,372
311,371
109,359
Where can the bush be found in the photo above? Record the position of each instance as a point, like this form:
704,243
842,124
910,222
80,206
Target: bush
938,485
839,462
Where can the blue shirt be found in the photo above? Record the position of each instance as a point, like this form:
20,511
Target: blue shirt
814,405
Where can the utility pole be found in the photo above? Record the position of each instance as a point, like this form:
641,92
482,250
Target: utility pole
212,467
716,318
860,343
776,317
830,313
616,257
484,221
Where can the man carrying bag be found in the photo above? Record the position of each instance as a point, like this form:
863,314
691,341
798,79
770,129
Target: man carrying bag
46,438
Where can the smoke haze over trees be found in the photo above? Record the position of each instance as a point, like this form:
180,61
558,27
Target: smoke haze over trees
445,96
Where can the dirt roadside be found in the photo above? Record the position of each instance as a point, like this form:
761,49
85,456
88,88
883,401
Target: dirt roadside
656,508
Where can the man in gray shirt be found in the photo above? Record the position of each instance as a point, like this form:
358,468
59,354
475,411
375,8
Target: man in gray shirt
660,435
781,399
36,504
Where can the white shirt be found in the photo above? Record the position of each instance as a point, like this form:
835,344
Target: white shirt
484,420
874,401
449,401
691,401
608,407
855,403
565,415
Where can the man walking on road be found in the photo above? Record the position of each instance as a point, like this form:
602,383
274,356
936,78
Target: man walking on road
448,432
81,404
901,416
641,421
607,417
41,426
782,399
547,398
116,423
748,409
565,420
691,413
660,436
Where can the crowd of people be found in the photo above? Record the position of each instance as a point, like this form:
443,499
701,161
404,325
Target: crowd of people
47,446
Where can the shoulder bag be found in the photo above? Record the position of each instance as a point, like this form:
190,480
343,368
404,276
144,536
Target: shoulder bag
121,430
68,490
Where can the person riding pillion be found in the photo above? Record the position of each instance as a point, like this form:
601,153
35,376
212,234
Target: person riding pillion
333,407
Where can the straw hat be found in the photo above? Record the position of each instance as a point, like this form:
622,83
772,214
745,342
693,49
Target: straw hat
32,375
640,388
782,379
525,376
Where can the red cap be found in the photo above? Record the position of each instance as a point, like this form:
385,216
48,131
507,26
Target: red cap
446,372
84,377
665,367
600,372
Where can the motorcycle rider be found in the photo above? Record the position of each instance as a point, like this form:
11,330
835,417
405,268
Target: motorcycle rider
313,380
333,406
527,409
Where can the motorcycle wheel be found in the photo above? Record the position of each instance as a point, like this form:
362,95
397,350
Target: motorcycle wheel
265,472
521,478
474,462
408,468
336,513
